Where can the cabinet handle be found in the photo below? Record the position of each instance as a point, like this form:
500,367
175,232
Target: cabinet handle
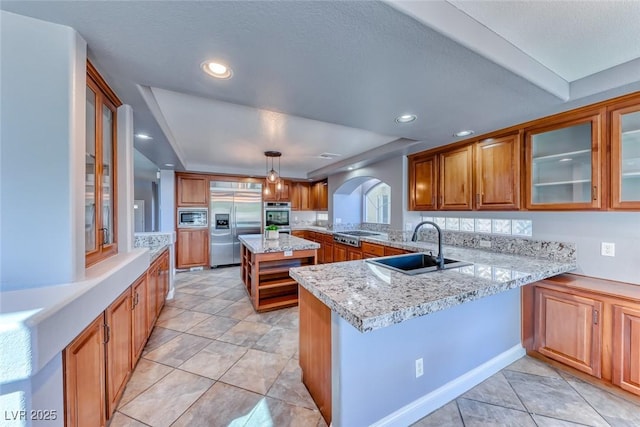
595,192
441,200
595,317
107,333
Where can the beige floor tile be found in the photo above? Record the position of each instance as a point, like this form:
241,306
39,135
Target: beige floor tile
214,360
270,317
289,387
476,413
158,337
279,340
529,365
234,294
212,305
183,321
238,310
552,397
543,421
144,376
166,400
289,319
168,312
448,415
245,333
255,371
282,414
213,327
178,350
495,390
186,301
121,420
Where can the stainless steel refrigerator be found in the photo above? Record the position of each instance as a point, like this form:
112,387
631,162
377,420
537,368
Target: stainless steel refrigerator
236,209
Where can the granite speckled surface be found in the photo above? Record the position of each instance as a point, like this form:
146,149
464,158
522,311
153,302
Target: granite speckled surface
156,242
257,244
371,297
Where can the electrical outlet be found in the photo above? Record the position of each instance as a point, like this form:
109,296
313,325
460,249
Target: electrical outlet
419,368
608,249
485,243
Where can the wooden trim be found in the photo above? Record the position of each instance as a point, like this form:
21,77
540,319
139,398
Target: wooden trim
93,73
626,348
615,152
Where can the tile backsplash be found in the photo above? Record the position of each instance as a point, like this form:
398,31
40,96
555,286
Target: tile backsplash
515,227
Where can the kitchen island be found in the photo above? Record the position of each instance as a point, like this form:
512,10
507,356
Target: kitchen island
367,332
265,268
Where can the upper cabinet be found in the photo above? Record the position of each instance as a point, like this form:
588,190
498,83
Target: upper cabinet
455,189
277,192
100,169
563,164
423,182
497,173
300,196
625,157
192,190
320,196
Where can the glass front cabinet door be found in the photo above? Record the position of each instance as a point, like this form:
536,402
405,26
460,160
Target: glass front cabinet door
563,164
625,158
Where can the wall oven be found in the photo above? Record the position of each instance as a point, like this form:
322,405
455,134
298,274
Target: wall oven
193,217
278,213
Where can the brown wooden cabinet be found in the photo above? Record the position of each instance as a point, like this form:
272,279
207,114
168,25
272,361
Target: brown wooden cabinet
563,162
119,341
140,327
626,347
372,250
300,196
423,182
192,247
320,196
299,233
192,190
568,329
354,254
625,156
388,251
455,187
340,252
497,173
84,377
277,192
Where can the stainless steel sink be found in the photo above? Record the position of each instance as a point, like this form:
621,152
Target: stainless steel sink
415,263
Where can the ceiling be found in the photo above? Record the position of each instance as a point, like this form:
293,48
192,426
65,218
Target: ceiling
331,76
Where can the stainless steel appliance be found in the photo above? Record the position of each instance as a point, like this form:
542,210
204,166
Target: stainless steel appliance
352,238
193,217
236,209
278,213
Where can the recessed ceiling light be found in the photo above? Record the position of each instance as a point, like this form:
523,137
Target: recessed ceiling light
406,118
350,168
217,70
566,159
169,165
143,136
464,133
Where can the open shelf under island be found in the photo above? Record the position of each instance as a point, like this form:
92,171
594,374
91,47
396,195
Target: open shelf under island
265,268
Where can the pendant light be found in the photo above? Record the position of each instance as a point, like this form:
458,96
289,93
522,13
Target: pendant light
273,176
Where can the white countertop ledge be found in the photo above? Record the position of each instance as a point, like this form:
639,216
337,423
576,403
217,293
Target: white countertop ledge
38,323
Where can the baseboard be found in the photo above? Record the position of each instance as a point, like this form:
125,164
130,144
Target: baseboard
428,403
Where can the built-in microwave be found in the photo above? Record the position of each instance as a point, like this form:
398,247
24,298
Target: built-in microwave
277,213
193,217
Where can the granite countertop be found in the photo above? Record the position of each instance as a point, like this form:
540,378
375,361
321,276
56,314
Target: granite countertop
257,244
156,251
371,297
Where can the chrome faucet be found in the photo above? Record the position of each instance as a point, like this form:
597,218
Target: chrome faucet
439,258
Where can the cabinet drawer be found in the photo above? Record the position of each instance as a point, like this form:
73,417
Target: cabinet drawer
372,248
328,238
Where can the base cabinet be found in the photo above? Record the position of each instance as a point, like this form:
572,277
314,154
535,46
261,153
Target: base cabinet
589,324
98,363
568,329
192,249
84,377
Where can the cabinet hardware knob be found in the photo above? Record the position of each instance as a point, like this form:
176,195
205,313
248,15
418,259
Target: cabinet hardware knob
595,317
107,333
595,192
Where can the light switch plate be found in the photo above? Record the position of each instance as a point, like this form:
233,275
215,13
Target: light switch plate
608,249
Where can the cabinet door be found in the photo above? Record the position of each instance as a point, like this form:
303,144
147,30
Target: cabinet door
354,254
568,329
277,192
497,169
339,253
327,252
388,251
295,196
118,319
455,190
423,179
625,158
626,348
152,294
298,233
320,198
192,191
192,248
140,327
84,377
563,165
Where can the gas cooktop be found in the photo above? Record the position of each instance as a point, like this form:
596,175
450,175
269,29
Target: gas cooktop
351,237
358,233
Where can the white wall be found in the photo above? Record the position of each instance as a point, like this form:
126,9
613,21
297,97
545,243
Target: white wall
391,171
42,153
167,201
143,191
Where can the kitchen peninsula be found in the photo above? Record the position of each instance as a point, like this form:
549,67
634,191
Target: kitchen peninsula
265,268
367,332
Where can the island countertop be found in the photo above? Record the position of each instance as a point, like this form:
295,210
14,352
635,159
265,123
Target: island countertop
257,244
370,297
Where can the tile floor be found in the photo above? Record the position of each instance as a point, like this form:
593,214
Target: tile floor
212,361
